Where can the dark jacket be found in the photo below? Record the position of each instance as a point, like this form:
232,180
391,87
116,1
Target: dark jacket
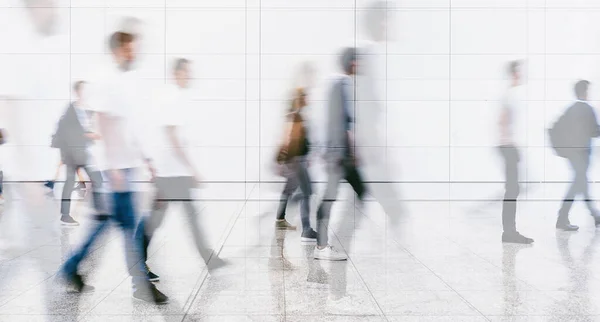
72,137
582,124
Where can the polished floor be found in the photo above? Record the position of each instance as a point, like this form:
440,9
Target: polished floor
443,261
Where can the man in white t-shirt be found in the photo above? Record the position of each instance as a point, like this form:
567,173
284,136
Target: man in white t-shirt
113,97
176,176
512,143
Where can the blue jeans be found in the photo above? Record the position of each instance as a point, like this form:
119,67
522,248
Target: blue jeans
123,214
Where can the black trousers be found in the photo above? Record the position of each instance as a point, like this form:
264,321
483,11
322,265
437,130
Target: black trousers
511,157
580,163
336,172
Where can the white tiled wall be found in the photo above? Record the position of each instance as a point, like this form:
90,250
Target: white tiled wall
445,72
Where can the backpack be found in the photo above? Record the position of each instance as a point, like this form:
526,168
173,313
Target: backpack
560,134
57,141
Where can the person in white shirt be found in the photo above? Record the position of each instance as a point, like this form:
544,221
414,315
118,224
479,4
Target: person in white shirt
113,99
176,176
512,129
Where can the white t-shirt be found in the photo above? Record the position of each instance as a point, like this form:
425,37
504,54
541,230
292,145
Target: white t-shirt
116,94
173,108
513,100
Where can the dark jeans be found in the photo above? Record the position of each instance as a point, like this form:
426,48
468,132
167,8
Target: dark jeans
95,177
510,154
123,213
171,189
297,176
336,172
580,162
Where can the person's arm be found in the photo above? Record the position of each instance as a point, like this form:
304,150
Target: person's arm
348,112
594,128
504,122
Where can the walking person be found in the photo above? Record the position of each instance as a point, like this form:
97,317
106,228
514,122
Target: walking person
176,176
114,96
74,137
512,141
571,137
340,152
293,156
50,183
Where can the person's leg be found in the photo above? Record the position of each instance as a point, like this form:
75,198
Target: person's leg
184,194
306,188
148,225
70,266
65,204
335,174
574,189
511,188
290,186
585,191
57,173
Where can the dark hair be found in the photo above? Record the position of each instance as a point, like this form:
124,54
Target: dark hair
77,86
118,39
348,56
581,89
513,67
180,63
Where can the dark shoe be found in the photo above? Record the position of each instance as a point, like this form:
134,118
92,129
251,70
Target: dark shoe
309,236
152,277
49,184
566,226
67,220
76,284
515,238
596,219
283,224
151,294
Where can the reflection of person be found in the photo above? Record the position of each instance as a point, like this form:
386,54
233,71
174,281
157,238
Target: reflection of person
297,146
512,140
582,127
113,97
176,176
340,154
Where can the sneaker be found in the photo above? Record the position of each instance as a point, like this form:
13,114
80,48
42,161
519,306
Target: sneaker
49,184
309,236
515,238
152,277
283,224
67,220
151,294
75,284
329,253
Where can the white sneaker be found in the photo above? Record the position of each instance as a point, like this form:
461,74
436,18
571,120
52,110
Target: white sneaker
329,253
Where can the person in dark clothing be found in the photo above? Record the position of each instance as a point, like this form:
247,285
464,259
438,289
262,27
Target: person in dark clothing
296,145
512,143
74,137
583,126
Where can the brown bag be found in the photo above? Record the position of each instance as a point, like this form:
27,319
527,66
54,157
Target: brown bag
291,149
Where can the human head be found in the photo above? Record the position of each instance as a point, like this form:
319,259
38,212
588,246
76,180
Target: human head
376,20
78,89
581,89
181,72
123,48
44,14
348,61
514,71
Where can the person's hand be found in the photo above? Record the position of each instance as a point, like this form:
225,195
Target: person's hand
93,136
117,180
